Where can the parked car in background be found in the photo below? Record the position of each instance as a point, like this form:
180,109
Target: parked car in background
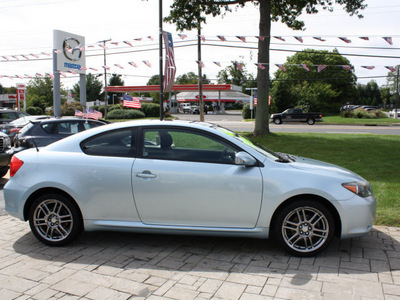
392,113
39,133
5,153
181,177
15,126
8,115
296,115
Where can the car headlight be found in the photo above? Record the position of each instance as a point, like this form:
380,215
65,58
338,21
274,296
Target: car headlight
360,188
7,142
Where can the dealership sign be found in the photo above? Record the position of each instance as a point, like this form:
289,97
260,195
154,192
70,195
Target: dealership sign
70,52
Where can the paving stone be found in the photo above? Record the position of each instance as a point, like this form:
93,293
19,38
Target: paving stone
230,290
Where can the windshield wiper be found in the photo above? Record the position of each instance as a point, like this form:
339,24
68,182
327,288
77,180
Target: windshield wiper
283,157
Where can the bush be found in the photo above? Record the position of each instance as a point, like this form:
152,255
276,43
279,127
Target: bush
69,109
34,111
246,112
125,114
150,110
363,114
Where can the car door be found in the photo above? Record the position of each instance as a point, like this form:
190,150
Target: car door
188,178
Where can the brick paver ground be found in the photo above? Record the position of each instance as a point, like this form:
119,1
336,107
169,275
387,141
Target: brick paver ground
132,266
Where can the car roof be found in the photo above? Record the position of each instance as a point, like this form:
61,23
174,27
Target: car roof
54,119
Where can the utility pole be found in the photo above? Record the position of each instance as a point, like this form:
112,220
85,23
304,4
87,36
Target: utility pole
161,62
105,78
201,100
397,94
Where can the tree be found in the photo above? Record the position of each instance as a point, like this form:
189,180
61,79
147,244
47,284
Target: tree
189,15
190,78
40,90
315,90
115,80
93,88
369,94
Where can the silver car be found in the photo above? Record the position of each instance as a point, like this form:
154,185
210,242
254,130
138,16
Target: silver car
184,178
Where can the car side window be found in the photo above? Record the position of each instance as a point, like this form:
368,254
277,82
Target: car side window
67,128
91,124
186,145
119,143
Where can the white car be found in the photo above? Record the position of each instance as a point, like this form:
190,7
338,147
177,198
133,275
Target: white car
392,112
184,178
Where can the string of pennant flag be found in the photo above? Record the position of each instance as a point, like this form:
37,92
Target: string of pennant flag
223,38
201,64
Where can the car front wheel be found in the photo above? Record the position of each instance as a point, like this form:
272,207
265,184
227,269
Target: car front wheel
277,121
304,228
54,220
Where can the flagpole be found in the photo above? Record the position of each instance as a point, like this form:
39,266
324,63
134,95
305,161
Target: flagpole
161,62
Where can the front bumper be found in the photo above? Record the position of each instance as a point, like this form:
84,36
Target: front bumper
5,158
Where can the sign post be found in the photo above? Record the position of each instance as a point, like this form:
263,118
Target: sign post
68,56
21,95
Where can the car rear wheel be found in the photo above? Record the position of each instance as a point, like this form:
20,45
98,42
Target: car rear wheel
3,171
54,220
304,228
310,121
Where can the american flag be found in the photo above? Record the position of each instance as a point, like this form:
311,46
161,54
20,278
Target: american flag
78,113
170,68
94,114
131,102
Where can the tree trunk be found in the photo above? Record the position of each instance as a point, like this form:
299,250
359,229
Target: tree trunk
262,112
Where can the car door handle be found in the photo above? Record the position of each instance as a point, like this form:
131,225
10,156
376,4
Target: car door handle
146,174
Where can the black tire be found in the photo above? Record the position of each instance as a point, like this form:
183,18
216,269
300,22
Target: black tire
310,121
277,121
304,228
3,171
54,220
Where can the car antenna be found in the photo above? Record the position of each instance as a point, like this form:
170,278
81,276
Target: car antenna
37,148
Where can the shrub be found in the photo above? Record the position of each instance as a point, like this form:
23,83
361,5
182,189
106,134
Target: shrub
246,112
34,111
151,110
125,114
363,114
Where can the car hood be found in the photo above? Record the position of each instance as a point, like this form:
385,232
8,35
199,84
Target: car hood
316,166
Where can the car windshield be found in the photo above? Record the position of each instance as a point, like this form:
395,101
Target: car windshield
259,148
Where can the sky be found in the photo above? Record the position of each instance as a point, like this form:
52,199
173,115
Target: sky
27,31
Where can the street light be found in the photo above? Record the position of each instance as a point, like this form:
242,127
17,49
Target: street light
105,78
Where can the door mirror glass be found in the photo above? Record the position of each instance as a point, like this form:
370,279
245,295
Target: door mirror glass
244,159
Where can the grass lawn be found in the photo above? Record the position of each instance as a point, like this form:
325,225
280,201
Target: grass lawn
376,158
353,121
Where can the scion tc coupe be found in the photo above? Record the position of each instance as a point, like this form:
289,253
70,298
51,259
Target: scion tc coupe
184,178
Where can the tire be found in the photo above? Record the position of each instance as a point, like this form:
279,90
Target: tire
277,121
3,171
54,220
310,121
304,228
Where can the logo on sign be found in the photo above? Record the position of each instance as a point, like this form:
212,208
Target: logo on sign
72,49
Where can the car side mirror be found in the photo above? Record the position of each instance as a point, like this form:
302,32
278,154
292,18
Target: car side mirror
244,159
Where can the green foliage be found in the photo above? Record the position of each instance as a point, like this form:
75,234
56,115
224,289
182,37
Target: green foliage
93,88
150,110
246,112
364,114
368,94
190,78
41,88
68,109
318,91
36,101
125,114
34,111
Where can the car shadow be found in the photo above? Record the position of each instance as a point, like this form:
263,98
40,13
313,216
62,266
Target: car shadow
356,258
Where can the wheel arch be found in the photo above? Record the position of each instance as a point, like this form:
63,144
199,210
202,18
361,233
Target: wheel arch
44,191
325,202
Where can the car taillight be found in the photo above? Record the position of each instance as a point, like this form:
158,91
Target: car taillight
15,165
15,130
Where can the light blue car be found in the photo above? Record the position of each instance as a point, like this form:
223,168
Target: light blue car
184,178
